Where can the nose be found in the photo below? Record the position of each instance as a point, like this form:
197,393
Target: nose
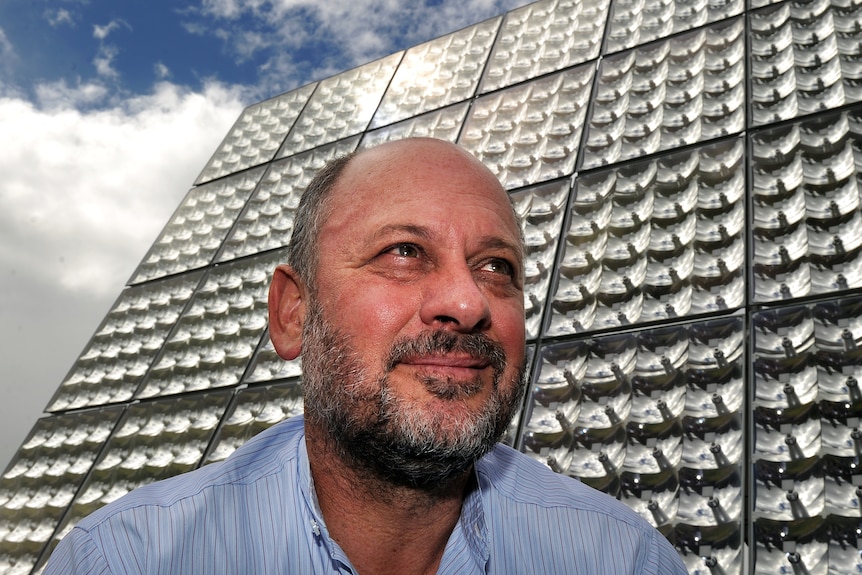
453,300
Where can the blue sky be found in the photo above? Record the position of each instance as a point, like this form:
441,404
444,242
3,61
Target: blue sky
108,112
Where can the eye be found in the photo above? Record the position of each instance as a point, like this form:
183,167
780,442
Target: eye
499,266
404,250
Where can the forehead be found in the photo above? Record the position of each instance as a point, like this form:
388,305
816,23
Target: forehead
411,181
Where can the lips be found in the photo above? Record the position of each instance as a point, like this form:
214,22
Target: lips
447,361
448,376
448,355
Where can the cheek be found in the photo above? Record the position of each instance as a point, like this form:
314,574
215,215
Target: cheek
512,333
513,315
375,313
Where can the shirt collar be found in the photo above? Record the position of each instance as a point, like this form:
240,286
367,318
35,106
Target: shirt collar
316,526
306,485
473,520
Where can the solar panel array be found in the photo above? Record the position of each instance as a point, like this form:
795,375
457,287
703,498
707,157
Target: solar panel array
688,173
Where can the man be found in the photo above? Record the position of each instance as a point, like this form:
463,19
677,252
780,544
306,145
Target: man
404,296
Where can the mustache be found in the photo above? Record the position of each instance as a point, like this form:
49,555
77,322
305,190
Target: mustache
476,345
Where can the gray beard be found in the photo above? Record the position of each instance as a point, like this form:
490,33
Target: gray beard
384,435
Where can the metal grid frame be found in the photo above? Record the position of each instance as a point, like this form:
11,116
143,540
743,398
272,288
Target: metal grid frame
708,153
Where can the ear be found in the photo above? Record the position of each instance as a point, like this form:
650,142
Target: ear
287,299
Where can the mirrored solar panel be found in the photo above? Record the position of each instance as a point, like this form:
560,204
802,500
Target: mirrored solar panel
544,37
707,549
782,547
787,434
444,124
789,491
215,338
783,333
635,22
655,498
553,405
42,479
614,411
154,440
804,59
544,208
341,106
530,133
254,410
807,410
653,241
437,73
257,134
807,225
710,498
669,94
267,220
842,490
713,443
843,543
196,231
124,347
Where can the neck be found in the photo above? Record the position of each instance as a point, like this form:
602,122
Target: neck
382,527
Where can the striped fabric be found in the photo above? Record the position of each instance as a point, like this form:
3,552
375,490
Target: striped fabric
255,513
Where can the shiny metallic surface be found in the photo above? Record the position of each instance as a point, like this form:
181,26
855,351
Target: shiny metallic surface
687,176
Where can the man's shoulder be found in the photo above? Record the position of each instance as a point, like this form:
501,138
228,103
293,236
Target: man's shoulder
527,506
524,481
263,456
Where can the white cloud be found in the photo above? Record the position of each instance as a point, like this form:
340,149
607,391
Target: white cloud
104,61
249,42
107,53
8,60
86,193
195,28
230,8
162,72
60,16
59,95
102,32
7,51
355,32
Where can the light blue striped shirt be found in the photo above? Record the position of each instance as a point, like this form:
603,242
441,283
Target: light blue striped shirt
256,513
